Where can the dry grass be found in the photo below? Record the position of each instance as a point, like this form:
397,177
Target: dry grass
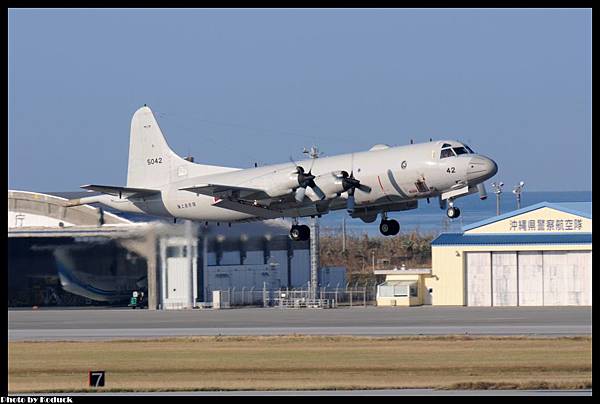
303,362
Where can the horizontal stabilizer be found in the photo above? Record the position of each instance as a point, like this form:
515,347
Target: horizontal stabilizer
122,192
224,191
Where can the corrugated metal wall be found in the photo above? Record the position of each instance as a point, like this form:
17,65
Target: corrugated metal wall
531,291
529,278
504,278
479,279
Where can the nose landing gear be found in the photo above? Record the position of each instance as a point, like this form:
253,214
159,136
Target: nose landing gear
300,232
389,227
452,212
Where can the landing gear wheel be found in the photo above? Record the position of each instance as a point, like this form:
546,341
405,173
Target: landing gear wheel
300,232
305,232
395,227
389,227
384,227
453,213
295,233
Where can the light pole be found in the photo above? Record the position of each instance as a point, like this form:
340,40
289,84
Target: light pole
314,238
498,191
373,257
517,191
344,233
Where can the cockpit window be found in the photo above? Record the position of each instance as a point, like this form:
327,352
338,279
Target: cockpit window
469,149
446,145
446,153
460,150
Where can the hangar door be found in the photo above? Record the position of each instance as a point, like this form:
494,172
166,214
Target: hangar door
529,278
567,278
479,289
492,279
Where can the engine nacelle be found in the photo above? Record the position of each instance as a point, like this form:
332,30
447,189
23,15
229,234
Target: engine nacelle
276,185
330,184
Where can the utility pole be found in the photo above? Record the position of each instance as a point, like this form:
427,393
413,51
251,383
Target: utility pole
189,264
498,191
344,233
373,259
517,191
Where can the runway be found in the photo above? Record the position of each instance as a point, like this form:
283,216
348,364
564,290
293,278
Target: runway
94,324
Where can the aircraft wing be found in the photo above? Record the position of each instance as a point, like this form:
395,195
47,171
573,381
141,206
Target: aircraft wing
227,191
249,208
121,192
240,199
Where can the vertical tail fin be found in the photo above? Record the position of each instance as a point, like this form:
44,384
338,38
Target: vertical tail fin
152,163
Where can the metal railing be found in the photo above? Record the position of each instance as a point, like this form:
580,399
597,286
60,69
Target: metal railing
349,295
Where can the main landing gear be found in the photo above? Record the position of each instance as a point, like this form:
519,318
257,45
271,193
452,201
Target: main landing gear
300,232
452,212
389,227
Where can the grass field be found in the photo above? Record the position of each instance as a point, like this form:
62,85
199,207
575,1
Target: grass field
303,362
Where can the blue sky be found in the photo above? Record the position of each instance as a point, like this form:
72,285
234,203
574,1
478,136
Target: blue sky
232,87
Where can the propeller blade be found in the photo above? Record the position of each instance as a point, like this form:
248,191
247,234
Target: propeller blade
482,191
364,188
317,191
299,195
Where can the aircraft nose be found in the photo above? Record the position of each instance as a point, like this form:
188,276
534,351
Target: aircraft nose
481,168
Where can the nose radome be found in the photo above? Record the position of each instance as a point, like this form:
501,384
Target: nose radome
481,168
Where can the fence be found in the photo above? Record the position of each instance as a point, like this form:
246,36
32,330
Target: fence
347,295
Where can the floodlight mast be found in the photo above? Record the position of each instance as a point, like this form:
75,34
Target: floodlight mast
498,191
314,238
517,191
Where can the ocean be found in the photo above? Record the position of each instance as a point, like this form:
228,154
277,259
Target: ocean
430,219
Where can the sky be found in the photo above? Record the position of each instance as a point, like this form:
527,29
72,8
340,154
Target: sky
235,87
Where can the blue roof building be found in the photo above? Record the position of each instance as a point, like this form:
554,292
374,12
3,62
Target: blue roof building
536,256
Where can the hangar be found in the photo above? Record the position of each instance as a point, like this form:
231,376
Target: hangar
540,255
85,255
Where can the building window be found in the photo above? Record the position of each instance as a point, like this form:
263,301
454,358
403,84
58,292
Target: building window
176,251
401,291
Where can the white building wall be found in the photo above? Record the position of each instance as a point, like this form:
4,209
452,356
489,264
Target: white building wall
17,219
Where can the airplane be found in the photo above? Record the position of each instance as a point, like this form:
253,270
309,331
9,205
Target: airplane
367,184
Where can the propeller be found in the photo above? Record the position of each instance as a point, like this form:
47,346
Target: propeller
306,180
350,184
